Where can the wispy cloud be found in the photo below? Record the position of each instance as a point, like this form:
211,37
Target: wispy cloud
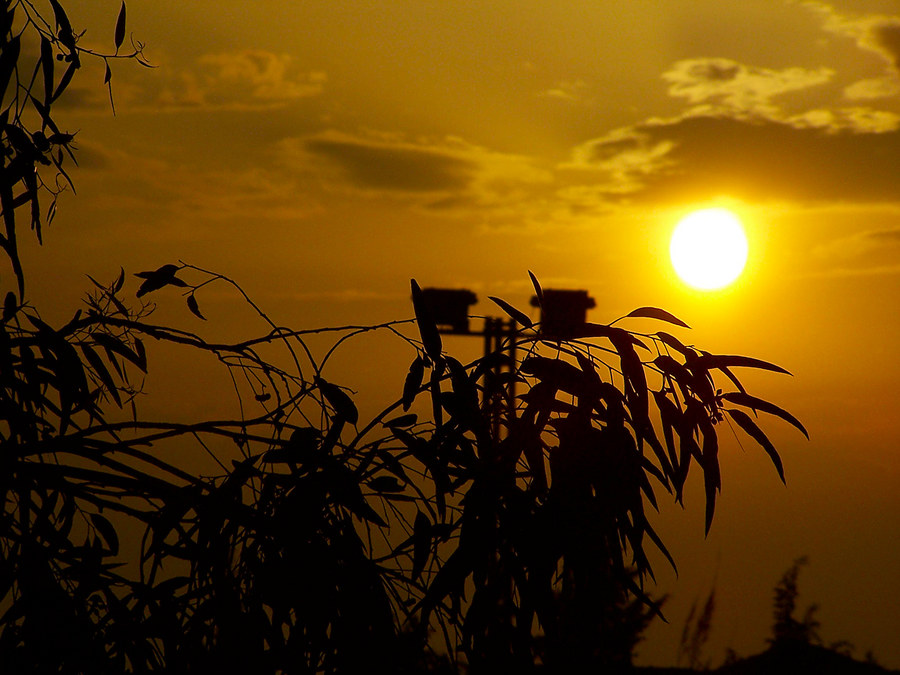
872,88
241,80
736,88
449,175
398,166
879,33
567,90
624,160
859,245
246,78
703,156
168,195
875,33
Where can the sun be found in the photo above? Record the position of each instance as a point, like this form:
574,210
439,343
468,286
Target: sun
709,248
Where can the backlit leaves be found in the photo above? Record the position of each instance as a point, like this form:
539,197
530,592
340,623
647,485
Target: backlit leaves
656,313
748,401
515,314
101,371
722,361
431,339
159,278
413,382
747,424
567,471
339,400
538,291
114,345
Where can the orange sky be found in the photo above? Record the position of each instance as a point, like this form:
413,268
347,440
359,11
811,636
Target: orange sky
323,153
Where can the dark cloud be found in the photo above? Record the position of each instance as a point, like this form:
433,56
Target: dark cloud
404,169
886,36
607,149
736,86
716,71
91,157
885,237
768,160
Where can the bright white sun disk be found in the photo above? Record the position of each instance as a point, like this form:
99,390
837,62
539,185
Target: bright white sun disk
709,248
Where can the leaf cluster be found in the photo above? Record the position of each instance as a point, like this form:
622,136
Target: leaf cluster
504,504
35,153
555,505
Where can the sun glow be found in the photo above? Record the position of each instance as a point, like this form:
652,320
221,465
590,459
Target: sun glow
709,248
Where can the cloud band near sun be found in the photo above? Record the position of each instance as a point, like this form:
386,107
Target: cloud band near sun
444,176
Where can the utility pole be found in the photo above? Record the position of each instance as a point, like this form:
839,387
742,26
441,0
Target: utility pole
563,314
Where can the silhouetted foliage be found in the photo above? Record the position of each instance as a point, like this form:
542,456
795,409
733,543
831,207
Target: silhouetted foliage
795,645
501,530
786,626
697,629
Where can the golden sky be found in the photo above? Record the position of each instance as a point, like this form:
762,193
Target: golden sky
323,153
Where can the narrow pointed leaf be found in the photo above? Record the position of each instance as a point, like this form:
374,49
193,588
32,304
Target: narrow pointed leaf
114,345
62,21
731,376
402,422
674,343
656,313
534,456
120,27
670,417
748,401
95,282
385,484
65,79
106,531
654,537
421,543
413,382
141,354
94,360
612,333
744,421
710,488
362,510
673,369
538,291
339,400
722,361
10,306
164,271
192,305
516,315
47,61
428,331
9,56
451,578
117,286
